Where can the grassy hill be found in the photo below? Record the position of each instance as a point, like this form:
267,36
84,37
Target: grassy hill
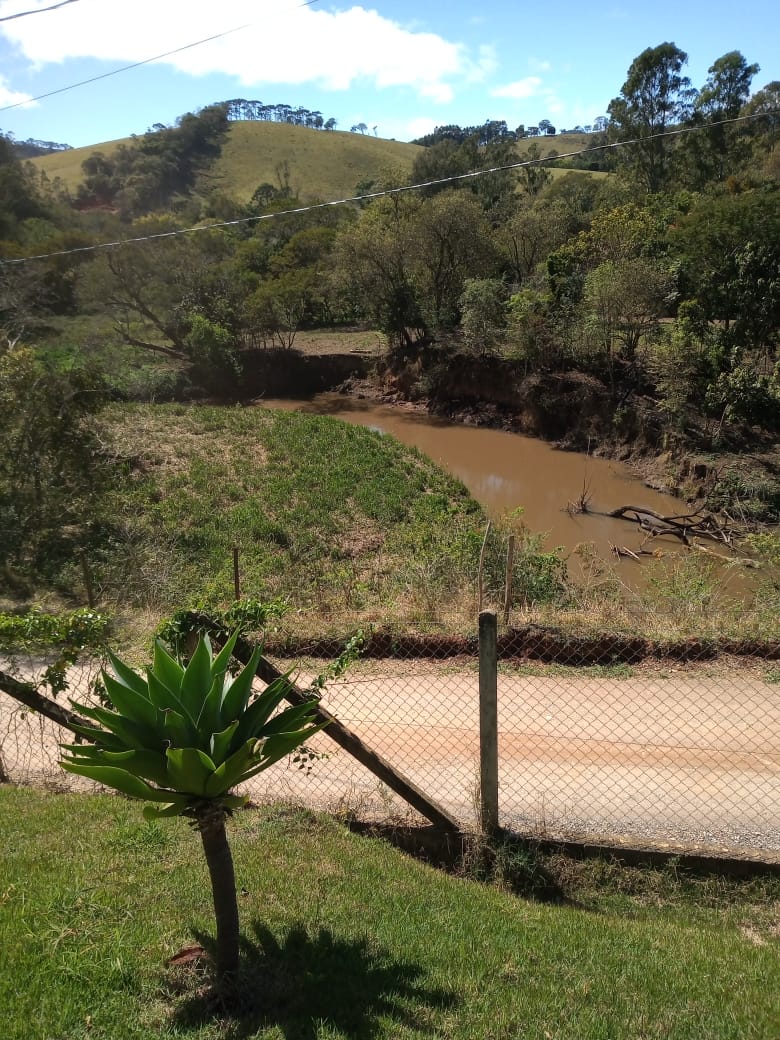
321,164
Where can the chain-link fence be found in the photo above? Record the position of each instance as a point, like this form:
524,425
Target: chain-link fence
600,739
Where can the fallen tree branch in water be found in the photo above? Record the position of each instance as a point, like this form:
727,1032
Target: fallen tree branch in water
683,526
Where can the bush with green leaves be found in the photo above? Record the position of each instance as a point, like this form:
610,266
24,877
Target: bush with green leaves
182,738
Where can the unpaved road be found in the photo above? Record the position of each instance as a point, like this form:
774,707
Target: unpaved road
686,757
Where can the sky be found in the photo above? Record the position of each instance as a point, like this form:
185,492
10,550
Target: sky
400,67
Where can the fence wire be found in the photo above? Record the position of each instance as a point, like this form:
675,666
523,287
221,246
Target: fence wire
674,748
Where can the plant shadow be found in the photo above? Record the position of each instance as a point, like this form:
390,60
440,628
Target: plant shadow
308,982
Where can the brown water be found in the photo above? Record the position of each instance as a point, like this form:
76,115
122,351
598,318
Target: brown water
504,471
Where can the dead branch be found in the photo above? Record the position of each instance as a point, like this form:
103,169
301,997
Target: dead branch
683,526
623,550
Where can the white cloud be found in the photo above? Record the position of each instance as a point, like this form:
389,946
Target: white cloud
419,128
285,43
485,65
13,97
521,88
535,65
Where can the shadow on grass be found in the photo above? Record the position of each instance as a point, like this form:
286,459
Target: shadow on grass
311,981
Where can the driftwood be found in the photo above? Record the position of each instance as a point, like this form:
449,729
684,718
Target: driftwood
684,526
623,550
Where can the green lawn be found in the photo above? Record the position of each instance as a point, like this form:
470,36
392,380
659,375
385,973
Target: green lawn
345,937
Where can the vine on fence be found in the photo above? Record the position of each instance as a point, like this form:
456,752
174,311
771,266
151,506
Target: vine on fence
68,636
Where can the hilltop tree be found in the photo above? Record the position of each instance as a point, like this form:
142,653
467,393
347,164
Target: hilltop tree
654,98
719,148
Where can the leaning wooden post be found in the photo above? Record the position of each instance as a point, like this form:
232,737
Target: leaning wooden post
488,722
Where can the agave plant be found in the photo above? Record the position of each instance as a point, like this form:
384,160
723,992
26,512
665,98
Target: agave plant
182,738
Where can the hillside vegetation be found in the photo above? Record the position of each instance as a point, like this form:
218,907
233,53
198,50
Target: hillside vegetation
639,309
318,164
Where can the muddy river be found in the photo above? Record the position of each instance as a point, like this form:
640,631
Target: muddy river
504,471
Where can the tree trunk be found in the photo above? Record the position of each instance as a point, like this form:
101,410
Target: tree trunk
211,824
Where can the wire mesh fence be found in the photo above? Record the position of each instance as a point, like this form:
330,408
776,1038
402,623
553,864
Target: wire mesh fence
613,739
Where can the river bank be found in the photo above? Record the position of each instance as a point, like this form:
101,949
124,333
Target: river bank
574,411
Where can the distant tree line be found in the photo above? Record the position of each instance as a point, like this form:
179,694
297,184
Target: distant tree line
241,109
497,129
31,147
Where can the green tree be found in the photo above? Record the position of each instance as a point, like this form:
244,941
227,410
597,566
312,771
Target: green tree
373,267
19,199
534,177
52,462
182,738
655,98
529,236
450,240
764,127
719,149
484,309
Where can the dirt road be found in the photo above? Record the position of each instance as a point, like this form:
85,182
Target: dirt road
689,758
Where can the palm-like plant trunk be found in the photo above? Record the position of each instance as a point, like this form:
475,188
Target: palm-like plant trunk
211,824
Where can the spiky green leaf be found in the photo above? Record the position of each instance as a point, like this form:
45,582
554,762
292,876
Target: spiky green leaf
219,665
132,734
176,808
231,771
196,681
220,743
189,770
130,703
92,733
167,668
260,710
164,698
281,744
120,780
148,765
291,718
177,730
234,801
127,675
236,695
209,719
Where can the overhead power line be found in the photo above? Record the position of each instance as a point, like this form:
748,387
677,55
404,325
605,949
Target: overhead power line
37,10
117,243
135,64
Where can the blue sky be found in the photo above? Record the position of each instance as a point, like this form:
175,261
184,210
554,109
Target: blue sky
399,66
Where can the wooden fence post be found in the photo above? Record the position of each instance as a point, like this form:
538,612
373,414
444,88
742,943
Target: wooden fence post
88,586
488,721
510,561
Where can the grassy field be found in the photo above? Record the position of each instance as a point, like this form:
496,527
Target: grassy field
339,520
322,165
344,937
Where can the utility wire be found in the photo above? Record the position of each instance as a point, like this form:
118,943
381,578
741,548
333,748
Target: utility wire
37,10
135,65
379,194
